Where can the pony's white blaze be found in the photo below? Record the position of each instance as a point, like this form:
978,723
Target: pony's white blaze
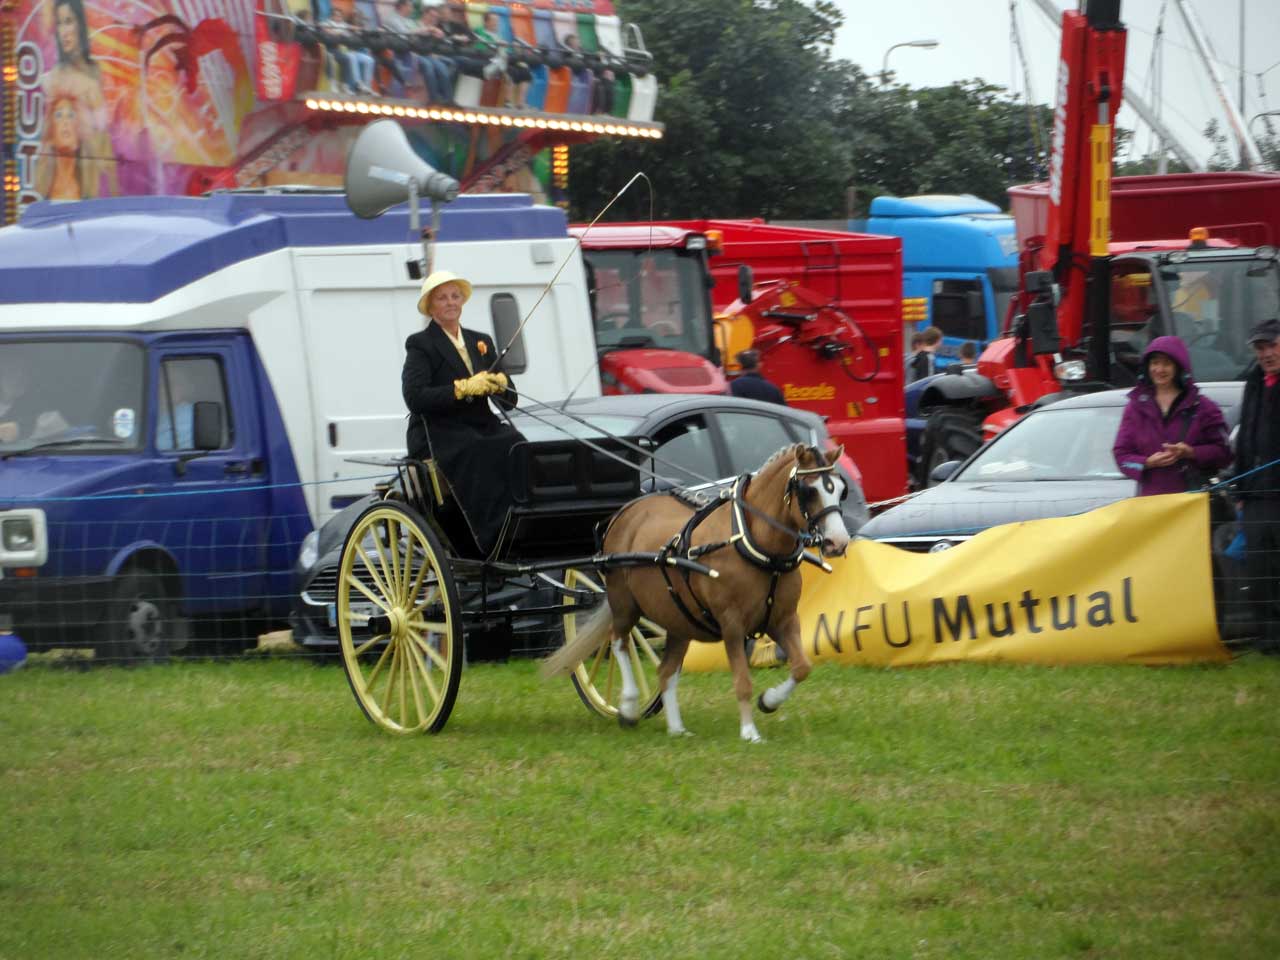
835,538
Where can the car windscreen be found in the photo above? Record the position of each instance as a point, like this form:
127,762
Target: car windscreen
1066,444
71,395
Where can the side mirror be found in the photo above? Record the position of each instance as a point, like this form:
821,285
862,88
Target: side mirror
206,424
1042,328
1041,283
746,283
944,471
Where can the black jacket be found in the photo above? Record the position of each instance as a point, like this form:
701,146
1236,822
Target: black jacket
465,437
1258,441
755,387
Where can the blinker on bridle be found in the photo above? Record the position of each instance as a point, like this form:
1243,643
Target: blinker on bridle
795,486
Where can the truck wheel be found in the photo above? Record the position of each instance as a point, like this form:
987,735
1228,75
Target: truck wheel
949,434
144,624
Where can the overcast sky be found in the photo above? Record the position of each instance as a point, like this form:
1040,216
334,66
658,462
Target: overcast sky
974,41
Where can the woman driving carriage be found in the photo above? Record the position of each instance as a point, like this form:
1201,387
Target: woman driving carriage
447,384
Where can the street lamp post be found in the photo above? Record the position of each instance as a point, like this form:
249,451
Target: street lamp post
884,66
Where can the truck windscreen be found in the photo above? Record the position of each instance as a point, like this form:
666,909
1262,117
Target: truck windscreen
1214,303
74,396
649,298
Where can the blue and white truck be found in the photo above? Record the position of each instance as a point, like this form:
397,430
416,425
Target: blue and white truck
184,383
959,264
959,272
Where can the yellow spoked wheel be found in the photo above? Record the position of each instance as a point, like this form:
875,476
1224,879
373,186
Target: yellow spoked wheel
598,679
398,621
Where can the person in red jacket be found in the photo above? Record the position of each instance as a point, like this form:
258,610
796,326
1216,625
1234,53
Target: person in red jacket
1171,436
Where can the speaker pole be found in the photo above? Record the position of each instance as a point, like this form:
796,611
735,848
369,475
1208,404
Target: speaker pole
428,251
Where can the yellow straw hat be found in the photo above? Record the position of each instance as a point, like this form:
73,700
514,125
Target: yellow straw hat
439,279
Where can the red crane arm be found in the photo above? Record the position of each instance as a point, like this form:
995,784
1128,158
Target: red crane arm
1090,87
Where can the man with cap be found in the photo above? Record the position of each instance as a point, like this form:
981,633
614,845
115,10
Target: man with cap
751,383
1257,445
449,378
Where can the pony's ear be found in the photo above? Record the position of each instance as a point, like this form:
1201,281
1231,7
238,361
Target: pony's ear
833,455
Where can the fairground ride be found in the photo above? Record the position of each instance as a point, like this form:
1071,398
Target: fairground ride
187,96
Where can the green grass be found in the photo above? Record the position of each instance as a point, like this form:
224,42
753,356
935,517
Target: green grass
249,810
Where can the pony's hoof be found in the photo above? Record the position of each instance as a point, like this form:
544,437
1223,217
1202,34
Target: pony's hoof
680,733
764,707
625,721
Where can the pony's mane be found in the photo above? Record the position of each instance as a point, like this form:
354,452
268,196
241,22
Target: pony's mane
792,451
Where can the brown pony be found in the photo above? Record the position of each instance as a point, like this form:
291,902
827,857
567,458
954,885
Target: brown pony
754,541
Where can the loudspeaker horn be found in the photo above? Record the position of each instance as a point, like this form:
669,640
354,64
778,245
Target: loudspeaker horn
382,170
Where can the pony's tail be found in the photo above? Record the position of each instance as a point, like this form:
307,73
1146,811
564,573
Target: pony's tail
592,632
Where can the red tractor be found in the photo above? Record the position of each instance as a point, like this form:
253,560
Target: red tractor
822,308
1107,267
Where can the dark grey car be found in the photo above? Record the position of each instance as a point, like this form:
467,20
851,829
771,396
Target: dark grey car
695,438
1054,462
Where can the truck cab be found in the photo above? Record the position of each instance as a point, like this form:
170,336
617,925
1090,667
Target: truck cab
651,307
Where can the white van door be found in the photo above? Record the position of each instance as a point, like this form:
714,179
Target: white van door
356,313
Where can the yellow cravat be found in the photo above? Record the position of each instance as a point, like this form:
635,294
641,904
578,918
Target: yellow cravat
461,346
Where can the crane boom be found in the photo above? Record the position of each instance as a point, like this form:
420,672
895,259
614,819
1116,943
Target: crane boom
1089,90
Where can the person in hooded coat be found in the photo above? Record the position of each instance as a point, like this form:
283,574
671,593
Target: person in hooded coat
448,382
1171,436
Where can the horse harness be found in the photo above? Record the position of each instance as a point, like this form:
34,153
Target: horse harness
741,540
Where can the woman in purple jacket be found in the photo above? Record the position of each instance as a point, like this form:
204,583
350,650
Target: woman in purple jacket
1171,435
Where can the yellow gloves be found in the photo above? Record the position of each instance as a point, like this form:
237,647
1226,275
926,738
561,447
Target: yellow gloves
481,384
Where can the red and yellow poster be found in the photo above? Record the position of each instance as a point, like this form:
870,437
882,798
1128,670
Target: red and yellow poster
120,97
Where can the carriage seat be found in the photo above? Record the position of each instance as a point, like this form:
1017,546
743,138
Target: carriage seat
423,484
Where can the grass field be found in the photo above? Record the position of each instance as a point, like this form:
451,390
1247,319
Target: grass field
249,810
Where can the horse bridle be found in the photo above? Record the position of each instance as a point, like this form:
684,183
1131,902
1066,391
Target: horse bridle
741,538
795,487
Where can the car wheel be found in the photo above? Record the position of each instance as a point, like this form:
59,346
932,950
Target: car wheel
144,623
949,434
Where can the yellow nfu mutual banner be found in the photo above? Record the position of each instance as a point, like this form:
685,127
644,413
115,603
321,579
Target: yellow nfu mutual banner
1130,582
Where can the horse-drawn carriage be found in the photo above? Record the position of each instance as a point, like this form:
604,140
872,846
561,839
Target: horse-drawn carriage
411,580
633,592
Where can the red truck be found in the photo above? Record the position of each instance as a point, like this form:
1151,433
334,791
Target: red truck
823,308
1106,266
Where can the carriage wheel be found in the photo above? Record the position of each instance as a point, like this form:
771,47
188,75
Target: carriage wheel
398,620
598,679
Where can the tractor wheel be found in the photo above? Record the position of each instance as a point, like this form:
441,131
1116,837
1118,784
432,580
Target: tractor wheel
949,434
598,679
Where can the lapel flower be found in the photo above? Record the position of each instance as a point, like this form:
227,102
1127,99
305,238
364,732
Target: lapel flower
482,348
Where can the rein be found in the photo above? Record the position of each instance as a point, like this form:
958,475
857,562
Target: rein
679,493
